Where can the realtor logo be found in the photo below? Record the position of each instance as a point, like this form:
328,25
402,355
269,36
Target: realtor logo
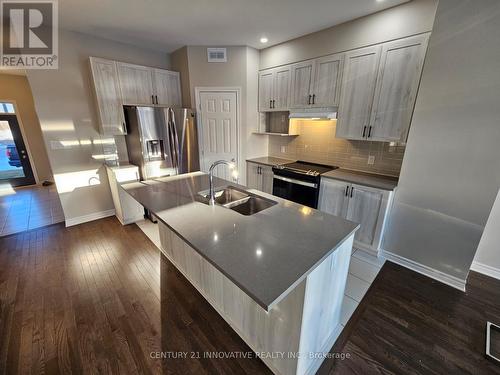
29,34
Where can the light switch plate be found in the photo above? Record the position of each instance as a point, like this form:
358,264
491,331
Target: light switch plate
371,160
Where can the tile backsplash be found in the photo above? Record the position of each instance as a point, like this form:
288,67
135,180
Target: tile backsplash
317,143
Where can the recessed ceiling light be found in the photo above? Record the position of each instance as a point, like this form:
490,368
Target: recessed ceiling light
263,39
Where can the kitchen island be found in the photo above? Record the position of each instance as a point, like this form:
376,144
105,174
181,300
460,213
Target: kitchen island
277,276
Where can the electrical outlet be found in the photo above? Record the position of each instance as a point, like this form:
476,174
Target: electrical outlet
371,159
283,149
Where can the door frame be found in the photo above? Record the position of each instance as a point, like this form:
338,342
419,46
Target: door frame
237,90
25,139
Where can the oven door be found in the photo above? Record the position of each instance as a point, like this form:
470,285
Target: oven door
303,192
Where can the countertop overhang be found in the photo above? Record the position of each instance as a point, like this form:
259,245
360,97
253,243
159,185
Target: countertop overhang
266,255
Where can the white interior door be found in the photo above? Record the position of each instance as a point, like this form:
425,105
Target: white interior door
219,129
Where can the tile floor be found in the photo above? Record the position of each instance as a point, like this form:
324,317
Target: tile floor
28,208
363,269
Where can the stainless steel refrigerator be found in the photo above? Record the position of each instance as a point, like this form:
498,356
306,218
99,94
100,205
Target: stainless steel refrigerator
162,141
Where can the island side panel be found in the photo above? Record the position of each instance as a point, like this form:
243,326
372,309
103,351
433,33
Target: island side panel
325,288
276,331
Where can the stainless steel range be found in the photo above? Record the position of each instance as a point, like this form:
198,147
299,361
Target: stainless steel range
299,181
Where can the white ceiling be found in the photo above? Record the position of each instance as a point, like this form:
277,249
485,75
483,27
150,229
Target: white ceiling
167,25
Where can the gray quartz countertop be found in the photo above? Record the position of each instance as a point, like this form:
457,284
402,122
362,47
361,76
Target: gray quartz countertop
270,160
266,255
363,178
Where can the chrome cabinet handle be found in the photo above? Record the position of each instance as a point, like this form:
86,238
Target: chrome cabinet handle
369,132
347,190
309,100
352,189
314,98
364,131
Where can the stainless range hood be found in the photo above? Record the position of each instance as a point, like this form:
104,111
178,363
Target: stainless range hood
324,113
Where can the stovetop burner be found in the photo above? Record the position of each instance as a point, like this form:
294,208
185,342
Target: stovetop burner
304,167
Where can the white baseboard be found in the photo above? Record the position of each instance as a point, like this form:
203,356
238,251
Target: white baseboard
442,277
90,217
486,270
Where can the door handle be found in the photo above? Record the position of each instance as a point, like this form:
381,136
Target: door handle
274,102
309,100
364,131
153,99
352,189
369,132
270,104
314,98
156,97
347,190
124,128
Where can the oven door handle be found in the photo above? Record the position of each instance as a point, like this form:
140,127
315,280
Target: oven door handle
294,181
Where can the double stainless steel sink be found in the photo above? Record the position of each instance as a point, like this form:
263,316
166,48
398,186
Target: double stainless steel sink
239,200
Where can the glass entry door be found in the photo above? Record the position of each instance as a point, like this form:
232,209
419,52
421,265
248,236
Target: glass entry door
15,166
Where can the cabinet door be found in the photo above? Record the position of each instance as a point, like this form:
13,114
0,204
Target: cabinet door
167,87
281,91
136,84
266,83
356,98
302,79
267,176
332,197
397,85
254,178
327,82
107,95
364,208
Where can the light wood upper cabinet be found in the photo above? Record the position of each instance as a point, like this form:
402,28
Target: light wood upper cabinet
302,84
108,97
274,89
398,79
327,81
136,83
281,88
358,88
316,83
266,82
167,85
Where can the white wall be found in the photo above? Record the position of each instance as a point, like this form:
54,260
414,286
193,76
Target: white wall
451,171
487,259
65,105
240,70
410,18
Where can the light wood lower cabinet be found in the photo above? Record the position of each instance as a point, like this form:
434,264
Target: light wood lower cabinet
361,204
260,177
127,209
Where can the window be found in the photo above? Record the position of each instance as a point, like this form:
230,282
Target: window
7,108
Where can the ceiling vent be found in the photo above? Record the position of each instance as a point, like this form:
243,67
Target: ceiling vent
217,55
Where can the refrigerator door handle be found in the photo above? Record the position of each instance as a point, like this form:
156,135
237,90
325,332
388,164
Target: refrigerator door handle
174,139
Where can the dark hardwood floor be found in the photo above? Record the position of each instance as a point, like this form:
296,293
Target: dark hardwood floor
99,298
410,324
